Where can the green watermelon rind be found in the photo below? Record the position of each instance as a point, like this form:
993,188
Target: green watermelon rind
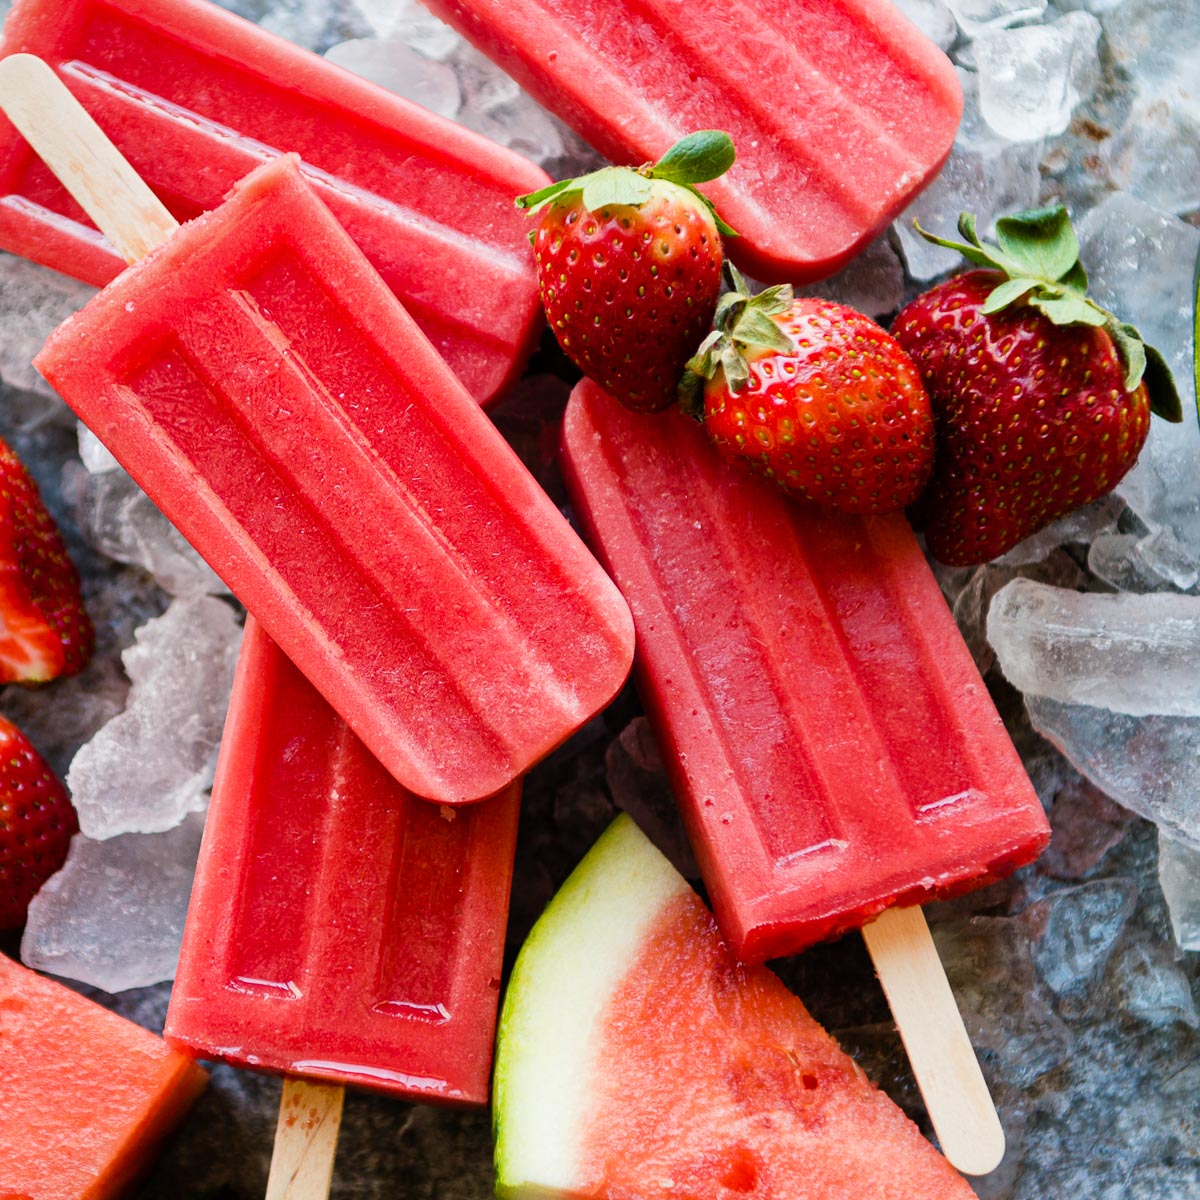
574,958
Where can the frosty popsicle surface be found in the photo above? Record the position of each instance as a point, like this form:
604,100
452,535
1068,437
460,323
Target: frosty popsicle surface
271,395
339,929
833,748
841,110
196,97
86,1095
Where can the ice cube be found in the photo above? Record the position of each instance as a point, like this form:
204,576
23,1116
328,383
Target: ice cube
1031,79
113,916
393,64
975,17
1151,765
407,21
151,765
1134,654
33,303
1179,874
933,19
117,518
1150,987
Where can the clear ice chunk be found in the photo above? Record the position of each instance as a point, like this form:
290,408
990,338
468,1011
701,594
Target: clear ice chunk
1179,875
1149,985
33,303
152,764
393,64
1134,654
117,518
1031,79
933,19
113,916
976,17
407,21
1140,264
1150,765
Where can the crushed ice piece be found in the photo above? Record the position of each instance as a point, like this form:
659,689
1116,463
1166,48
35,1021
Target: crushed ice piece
393,64
117,518
989,965
113,916
1083,525
33,303
151,765
1134,654
1150,765
1140,264
1150,987
1155,155
1179,875
976,17
95,455
986,174
313,26
872,282
409,22
1076,929
1031,79
933,19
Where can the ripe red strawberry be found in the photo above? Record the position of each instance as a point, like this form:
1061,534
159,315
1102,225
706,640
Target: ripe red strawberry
44,629
816,396
36,824
629,267
1042,399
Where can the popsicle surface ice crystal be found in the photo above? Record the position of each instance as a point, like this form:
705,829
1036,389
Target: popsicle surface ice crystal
196,97
840,109
85,1095
832,746
273,398
339,928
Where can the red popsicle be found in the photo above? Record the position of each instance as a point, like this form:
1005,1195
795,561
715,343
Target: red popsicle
196,97
272,397
339,928
833,749
841,111
85,1095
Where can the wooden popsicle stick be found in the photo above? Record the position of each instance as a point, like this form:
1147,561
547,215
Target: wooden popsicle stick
132,217
931,1027
79,153
310,1115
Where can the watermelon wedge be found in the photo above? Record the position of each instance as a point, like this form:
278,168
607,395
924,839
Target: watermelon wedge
637,1059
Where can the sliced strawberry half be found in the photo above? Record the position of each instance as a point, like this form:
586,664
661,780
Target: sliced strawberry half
44,629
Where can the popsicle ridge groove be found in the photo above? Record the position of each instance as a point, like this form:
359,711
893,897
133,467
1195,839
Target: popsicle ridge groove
767,108
393,504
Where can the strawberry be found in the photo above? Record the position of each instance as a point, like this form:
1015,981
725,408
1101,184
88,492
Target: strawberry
36,824
1041,398
629,267
816,396
44,629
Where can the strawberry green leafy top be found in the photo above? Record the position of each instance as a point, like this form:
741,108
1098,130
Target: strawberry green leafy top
1038,254
694,159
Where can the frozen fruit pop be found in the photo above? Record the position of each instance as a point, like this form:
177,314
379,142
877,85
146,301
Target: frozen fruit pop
274,399
834,749
85,1095
831,745
339,928
195,97
841,110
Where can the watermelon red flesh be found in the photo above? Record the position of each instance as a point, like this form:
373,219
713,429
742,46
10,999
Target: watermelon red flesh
712,1081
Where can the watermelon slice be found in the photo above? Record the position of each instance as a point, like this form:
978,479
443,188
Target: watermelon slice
637,1058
